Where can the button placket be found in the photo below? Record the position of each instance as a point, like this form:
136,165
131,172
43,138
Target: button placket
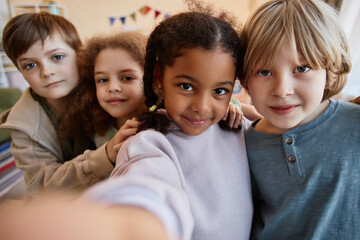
290,156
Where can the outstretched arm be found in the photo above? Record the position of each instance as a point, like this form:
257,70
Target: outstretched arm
56,218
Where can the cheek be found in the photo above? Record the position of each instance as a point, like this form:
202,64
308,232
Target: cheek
99,94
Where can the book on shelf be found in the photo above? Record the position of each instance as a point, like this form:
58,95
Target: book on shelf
9,174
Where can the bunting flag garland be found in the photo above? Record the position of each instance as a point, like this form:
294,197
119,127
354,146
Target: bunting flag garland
133,16
143,11
122,19
157,13
112,20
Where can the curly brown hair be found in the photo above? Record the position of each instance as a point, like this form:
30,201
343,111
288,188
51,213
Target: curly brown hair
85,116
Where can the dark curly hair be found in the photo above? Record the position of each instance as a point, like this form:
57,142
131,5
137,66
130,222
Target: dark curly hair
85,116
185,30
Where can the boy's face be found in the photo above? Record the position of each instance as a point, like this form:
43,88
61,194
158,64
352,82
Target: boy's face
197,88
50,69
119,85
287,94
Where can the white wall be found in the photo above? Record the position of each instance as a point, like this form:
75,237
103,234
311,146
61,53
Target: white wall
4,14
92,16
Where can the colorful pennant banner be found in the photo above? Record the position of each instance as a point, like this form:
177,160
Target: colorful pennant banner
143,11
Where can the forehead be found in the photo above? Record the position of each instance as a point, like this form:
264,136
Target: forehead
54,41
205,66
115,58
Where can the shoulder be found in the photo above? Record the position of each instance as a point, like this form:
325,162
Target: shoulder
24,108
147,138
346,109
28,116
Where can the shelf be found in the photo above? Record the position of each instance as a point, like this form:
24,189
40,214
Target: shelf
54,8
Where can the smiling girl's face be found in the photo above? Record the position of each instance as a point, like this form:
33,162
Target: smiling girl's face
119,84
197,88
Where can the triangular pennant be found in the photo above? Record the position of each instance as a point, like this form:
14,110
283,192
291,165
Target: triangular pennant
166,15
123,19
144,10
112,20
157,13
133,16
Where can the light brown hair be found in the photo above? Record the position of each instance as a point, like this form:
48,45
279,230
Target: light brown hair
312,27
23,30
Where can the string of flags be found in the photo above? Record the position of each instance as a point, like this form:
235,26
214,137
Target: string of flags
145,10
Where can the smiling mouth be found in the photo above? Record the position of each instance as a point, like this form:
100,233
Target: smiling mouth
115,101
196,122
283,109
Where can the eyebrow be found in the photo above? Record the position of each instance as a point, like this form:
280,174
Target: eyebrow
47,53
122,71
195,80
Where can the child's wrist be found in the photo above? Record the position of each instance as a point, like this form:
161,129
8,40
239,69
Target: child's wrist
107,154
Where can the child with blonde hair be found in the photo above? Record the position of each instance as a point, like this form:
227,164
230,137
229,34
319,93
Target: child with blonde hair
304,153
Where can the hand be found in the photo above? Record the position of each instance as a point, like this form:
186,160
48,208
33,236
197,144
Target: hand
126,130
356,100
235,115
250,112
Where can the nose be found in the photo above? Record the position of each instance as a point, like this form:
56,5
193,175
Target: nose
46,71
283,86
201,104
114,85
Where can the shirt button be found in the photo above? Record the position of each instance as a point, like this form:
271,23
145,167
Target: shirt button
289,141
291,159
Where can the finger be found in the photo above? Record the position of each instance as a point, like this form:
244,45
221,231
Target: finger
239,116
117,147
123,134
162,111
227,111
232,115
130,123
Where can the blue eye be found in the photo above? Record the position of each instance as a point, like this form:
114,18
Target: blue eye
264,73
220,91
30,65
186,86
58,57
101,80
302,69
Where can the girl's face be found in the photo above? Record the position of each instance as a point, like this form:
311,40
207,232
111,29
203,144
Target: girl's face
197,88
50,68
119,84
287,94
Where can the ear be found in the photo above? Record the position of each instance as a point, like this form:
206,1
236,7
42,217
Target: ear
157,76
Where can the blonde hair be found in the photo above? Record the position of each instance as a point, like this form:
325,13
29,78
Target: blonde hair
312,28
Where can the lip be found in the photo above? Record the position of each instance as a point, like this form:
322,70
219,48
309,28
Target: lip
53,84
283,109
115,101
196,122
